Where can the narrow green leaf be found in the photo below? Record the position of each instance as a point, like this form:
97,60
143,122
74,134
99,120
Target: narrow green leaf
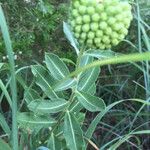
141,132
70,37
13,85
87,78
100,54
47,106
31,95
98,118
106,110
44,80
53,143
121,141
3,87
56,66
92,89
75,106
1,64
4,125
4,145
72,132
85,59
66,84
90,102
126,137
80,117
27,119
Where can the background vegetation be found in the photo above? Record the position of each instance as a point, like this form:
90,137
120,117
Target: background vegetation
36,27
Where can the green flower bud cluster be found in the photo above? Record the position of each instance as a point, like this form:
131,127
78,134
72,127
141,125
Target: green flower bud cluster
100,23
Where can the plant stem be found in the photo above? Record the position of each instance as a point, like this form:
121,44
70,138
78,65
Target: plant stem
114,60
13,85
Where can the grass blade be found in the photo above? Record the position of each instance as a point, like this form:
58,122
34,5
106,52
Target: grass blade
13,81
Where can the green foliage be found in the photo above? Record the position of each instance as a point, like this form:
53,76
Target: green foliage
4,145
67,107
32,26
57,108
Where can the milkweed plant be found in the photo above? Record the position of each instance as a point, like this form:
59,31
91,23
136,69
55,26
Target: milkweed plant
93,28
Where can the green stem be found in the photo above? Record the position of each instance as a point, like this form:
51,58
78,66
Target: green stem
13,85
115,60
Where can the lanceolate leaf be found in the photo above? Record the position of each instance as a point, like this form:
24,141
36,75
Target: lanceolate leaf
47,106
4,125
1,64
30,95
4,145
75,106
56,66
44,80
53,143
70,37
5,92
90,102
72,132
100,54
32,120
85,60
66,84
87,78
92,89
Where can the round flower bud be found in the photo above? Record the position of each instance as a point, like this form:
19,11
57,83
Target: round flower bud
111,21
72,23
96,17
106,40
91,35
102,46
124,31
83,36
77,35
86,19
79,20
99,33
108,31
75,13
78,29
85,27
114,35
115,42
111,10
94,26
89,42
108,46
82,10
99,7
118,26
125,6
97,40
90,10
76,4
103,25
103,16
84,2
